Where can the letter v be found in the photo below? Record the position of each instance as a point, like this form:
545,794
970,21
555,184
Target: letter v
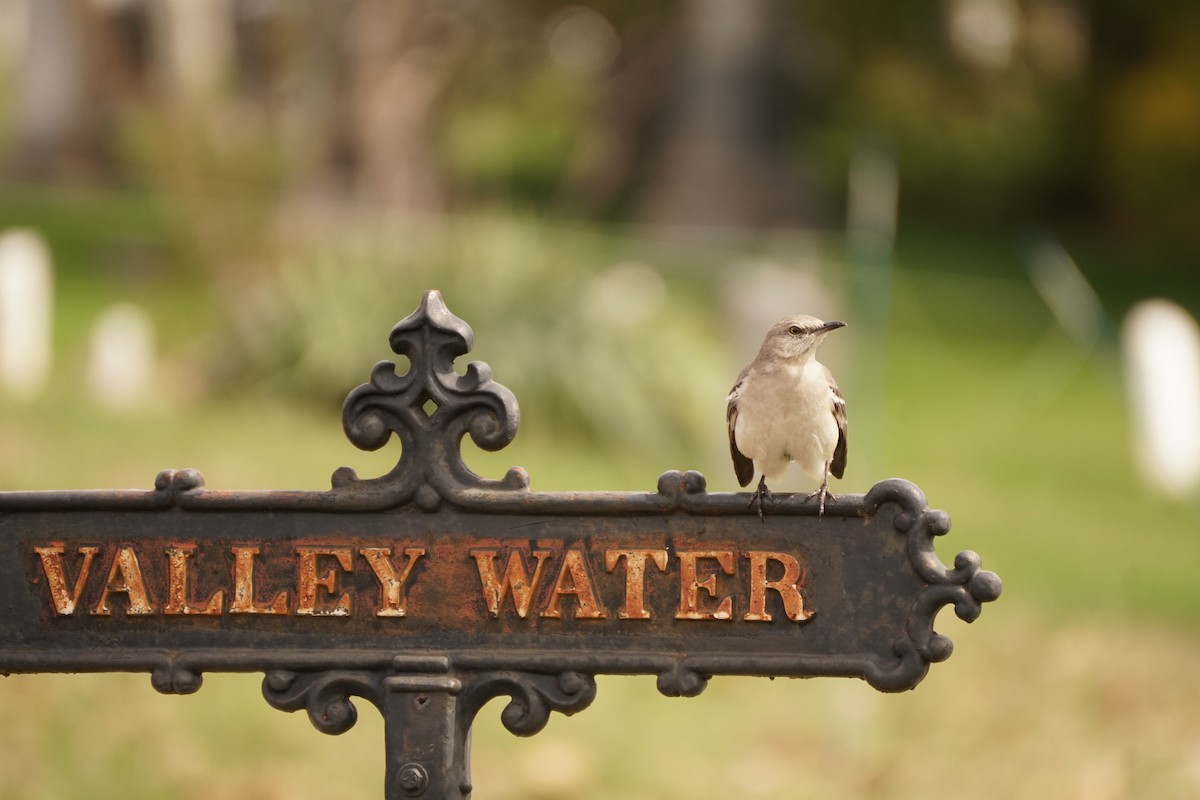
56,579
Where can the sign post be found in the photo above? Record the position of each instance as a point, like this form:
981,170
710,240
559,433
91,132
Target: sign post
429,591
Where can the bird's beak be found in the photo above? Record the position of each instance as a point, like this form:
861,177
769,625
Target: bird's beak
832,325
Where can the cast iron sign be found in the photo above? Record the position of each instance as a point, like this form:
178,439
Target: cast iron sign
430,590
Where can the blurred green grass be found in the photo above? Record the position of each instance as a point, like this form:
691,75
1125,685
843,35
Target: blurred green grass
1080,674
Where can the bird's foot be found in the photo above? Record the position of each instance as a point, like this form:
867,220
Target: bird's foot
822,492
761,493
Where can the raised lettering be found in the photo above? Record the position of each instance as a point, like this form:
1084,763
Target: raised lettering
309,582
56,578
125,576
392,602
787,586
635,578
178,601
516,580
690,585
243,586
573,578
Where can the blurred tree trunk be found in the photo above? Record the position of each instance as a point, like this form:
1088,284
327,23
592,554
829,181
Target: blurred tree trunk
721,159
391,65
195,42
58,126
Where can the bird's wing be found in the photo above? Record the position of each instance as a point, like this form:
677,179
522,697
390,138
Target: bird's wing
743,467
838,465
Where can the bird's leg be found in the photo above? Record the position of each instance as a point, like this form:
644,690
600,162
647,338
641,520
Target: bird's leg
761,492
822,492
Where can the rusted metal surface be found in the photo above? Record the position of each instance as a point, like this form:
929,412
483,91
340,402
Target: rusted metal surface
430,590
695,576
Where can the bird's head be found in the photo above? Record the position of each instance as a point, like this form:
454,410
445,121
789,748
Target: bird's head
798,337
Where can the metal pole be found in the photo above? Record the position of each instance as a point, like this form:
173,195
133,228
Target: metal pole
426,733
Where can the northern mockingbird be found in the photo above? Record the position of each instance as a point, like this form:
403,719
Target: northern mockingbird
785,407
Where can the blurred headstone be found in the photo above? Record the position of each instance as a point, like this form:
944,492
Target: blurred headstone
26,315
1161,345
121,358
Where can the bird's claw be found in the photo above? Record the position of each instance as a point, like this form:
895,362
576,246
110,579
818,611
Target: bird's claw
822,492
761,493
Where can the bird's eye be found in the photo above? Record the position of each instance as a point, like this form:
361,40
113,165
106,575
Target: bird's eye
795,330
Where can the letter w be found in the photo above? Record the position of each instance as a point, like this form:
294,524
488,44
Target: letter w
516,582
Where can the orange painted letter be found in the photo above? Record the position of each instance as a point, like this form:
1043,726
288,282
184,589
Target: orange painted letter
788,587
125,576
391,587
516,580
635,578
56,578
690,585
573,578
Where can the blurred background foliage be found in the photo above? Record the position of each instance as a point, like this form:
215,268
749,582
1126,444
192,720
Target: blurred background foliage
619,197
1047,111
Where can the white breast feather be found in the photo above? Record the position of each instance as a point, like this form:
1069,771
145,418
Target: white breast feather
802,430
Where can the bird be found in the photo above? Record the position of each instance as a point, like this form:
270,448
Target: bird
785,406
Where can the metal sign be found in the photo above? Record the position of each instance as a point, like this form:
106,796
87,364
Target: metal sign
430,590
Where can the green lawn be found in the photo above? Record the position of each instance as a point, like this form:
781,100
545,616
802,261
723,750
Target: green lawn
1077,683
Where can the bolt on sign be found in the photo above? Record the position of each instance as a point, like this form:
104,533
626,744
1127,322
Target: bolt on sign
430,590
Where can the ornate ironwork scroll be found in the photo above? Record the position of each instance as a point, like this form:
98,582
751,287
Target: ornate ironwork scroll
429,590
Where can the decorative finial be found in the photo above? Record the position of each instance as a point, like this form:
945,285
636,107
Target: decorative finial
430,407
